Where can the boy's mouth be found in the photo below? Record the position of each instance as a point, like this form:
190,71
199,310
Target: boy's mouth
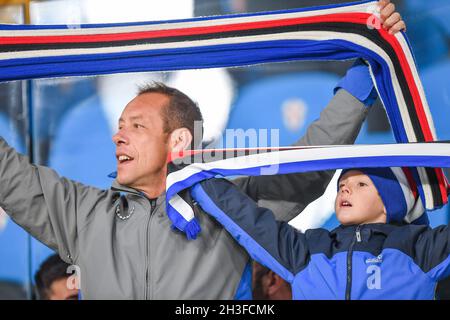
345,203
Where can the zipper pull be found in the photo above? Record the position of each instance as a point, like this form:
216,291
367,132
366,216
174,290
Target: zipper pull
358,234
152,205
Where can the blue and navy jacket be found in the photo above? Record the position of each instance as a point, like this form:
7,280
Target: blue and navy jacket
372,261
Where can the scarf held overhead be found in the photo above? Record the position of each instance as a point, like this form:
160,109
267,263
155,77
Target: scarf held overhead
335,32
193,168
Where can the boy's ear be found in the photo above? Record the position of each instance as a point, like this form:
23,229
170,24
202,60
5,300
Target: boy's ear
180,139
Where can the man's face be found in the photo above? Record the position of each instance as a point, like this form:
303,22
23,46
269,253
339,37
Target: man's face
141,143
60,291
358,201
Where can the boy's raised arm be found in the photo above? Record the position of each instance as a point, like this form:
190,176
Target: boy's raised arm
432,252
274,244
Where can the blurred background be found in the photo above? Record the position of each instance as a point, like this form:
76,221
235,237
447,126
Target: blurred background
67,123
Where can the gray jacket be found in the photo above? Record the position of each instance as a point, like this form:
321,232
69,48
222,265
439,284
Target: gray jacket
141,257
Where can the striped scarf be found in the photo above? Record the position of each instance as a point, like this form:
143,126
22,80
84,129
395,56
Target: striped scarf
335,32
195,166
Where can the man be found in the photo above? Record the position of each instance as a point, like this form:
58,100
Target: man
53,280
121,238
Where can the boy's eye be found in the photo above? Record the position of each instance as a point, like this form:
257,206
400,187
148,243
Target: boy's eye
341,185
137,125
362,184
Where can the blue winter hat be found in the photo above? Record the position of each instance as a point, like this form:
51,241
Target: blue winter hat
398,193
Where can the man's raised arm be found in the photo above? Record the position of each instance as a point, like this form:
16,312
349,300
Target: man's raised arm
50,208
339,123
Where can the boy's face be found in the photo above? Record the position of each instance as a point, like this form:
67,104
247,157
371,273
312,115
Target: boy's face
358,201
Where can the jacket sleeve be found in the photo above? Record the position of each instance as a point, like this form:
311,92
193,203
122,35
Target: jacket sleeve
277,245
339,123
432,250
50,208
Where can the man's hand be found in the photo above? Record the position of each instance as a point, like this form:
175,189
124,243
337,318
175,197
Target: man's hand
392,20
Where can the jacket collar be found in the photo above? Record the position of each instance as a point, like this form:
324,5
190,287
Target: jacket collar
121,188
383,228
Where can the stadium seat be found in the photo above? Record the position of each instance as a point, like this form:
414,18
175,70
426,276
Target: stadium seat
436,83
287,103
428,29
438,9
83,149
10,290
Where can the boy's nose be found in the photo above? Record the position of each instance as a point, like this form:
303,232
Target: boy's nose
345,189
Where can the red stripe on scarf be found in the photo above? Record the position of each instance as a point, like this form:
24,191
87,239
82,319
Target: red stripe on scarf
360,18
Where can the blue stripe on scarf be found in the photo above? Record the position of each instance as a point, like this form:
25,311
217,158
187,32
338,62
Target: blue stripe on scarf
315,165
297,167
210,56
213,56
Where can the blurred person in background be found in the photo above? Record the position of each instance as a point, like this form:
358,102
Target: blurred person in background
54,282
267,285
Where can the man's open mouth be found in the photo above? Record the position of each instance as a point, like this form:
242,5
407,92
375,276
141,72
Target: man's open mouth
123,158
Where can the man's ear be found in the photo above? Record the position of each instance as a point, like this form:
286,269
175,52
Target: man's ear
180,139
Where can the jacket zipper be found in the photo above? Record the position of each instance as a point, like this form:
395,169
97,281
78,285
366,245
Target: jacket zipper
147,247
356,238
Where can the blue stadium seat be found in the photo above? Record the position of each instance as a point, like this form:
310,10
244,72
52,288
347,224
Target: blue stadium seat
287,102
438,9
428,29
83,149
436,83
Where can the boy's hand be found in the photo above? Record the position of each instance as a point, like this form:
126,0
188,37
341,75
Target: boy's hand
392,20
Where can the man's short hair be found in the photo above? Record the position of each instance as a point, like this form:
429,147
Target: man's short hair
181,111
50,270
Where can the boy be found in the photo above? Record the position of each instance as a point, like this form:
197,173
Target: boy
374,254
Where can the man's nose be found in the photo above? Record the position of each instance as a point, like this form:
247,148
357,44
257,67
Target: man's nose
120,138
